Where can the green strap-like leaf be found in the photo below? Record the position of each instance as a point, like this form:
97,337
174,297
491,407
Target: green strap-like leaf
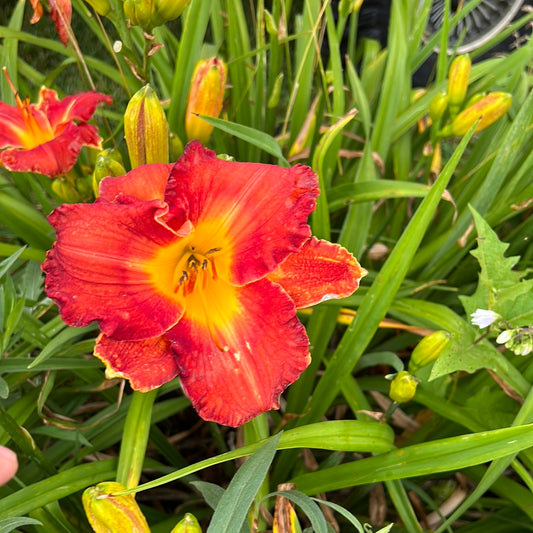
231,510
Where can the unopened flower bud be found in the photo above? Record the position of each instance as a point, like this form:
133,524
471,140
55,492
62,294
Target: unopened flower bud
66,190
403,387
176,146
102,7
487,110
438,106
151,13
113,514
458,82
146,129
428,350
206,96
108,163
188,524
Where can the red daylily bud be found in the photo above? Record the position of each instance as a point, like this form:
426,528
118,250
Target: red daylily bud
458,82
205,98
188,524
146,129
487,110
113,514
403,387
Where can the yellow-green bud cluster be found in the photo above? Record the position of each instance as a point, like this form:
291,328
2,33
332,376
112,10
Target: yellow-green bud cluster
450,106
108,163
151,13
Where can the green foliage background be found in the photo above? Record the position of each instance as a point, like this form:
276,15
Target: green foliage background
355,118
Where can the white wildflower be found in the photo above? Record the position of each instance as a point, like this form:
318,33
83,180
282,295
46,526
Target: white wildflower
483,317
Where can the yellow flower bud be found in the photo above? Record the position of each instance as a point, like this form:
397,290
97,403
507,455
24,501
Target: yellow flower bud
206,96
403,387
167,10
151,13
458,82
146,129
438,106
113,514
102,7
108,163
487,110
188,524
428,350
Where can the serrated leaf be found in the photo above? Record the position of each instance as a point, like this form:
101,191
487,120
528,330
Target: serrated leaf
496,270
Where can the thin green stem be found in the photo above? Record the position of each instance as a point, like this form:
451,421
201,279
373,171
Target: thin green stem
135,438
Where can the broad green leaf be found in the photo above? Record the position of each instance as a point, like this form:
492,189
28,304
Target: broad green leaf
55,487
350,193
10,524
258,138
429,458
231,510
66,337
308,506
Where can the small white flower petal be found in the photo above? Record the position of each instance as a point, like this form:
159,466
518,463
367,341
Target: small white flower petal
504,336
483,317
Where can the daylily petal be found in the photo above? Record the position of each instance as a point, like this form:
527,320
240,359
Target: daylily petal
73,107
37,11
146,364
52,158
234,365
263,207
319,271
13,127
97,268
61,14
88,136
147,182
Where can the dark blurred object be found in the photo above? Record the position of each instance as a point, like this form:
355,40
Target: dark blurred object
485,21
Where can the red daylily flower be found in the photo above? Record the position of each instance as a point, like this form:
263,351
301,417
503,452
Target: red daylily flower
44,137
196,269
60,13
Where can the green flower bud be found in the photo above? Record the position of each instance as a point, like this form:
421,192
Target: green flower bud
403,387
66,190
151,13
487,110
438,106
102,7
176,146
108,163
188,524
428,350
458,82
113,514
146,129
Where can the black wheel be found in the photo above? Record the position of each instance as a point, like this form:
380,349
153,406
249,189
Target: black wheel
485,21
